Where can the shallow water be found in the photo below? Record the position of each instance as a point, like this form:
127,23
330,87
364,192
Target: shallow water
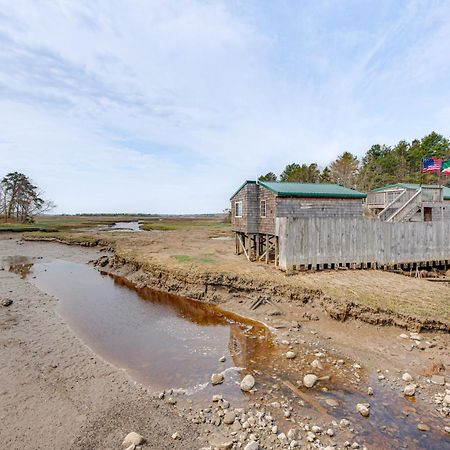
125,226
167,341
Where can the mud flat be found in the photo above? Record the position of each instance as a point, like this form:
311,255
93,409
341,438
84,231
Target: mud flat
73,359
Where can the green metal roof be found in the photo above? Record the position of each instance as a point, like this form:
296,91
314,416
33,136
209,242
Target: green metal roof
412,186
311,190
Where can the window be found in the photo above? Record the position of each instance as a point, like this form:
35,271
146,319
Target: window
427,214
238,209
262,208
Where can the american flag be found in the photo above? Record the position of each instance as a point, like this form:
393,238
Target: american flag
431,164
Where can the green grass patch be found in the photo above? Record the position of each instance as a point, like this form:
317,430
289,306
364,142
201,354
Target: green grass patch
172,224
182,258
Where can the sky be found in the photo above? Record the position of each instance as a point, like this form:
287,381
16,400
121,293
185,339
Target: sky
168,106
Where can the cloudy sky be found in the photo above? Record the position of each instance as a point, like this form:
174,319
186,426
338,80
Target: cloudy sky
167,106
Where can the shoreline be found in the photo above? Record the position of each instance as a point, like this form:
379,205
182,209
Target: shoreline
308,324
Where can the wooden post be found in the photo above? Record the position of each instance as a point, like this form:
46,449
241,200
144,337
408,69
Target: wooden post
277,249
267,249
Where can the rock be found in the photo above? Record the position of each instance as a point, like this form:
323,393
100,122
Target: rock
344,423
331,402
229,418
438,379
217,397
292,434
406,377
252,445
422,427
6,302
316,429
131,447
221,443
363,409
415,336
330,432
403,336
316,364
216,378
447,399
176,435
410,390
247,383
369,391
294,444
447,429
132,438
222,359
309,380
290,355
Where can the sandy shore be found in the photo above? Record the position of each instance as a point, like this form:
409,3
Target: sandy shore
54,392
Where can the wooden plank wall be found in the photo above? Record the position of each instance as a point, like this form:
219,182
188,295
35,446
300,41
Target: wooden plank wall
357,241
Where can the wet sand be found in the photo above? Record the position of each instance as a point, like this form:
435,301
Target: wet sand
57,394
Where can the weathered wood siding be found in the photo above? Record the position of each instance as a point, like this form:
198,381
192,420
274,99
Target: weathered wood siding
266,224
315,240
249,196
319,207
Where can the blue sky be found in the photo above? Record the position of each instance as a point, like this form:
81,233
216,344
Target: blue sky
166,107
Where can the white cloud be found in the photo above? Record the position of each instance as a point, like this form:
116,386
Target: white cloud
167,107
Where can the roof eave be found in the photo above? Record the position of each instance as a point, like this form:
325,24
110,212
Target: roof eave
242,186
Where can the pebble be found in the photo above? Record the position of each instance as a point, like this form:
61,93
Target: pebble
447,429
6,302
290,355
176,435
222,359
221,443
423,427
252,445
370,391
292,434
406,377
247,383
410,390
403,336
216,378
309,380
330,432
132,438
363,409
317,364
217,397
438,379
229,418
331,402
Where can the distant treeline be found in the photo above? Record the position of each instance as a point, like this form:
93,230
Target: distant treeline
381,165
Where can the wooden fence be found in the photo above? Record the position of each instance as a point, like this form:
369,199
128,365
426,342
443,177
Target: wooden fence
332,242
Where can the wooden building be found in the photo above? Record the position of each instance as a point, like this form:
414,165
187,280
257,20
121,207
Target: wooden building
256,206
406,202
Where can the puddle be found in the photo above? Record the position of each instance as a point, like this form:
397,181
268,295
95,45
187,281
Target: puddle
125,226
166,341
